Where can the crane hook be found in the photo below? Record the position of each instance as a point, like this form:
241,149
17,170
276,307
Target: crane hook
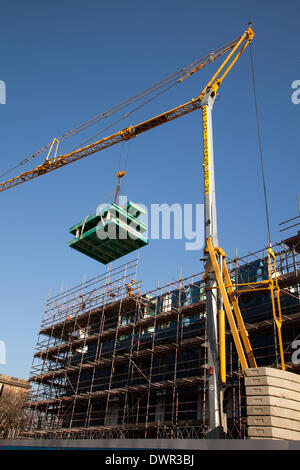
120,175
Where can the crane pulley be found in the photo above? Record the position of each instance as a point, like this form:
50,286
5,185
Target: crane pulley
120,175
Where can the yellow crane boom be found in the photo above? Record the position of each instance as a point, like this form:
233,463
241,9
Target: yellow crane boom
235,49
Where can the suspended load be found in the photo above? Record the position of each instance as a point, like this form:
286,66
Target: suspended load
111,233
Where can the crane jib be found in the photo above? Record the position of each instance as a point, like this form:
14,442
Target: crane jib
132,131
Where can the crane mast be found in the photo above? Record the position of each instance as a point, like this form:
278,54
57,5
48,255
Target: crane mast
215,392
210,224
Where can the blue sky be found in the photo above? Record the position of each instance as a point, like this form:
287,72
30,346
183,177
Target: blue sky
64,62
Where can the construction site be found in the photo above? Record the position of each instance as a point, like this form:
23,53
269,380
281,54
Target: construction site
115,361
116,364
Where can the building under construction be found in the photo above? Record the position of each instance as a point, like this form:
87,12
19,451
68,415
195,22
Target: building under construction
113,361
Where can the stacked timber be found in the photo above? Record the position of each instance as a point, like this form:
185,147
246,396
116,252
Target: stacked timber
273,404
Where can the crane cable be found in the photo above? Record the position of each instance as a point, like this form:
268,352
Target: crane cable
183,73
123,157
176,77
122,117
260,149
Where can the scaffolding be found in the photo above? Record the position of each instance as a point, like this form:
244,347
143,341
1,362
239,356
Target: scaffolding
113,362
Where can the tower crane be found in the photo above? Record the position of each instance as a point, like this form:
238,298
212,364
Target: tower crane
204,101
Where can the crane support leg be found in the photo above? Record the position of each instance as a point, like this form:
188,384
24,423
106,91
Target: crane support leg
227,306
273,286
243,332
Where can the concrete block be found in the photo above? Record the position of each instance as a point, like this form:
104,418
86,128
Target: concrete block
273,391
262,438
270,372
274,421
257,410
272,381
273,401
269,432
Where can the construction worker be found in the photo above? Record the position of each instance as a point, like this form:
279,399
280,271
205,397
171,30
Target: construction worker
130,288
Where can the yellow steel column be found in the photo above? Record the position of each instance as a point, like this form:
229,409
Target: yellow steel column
277,319
222,346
